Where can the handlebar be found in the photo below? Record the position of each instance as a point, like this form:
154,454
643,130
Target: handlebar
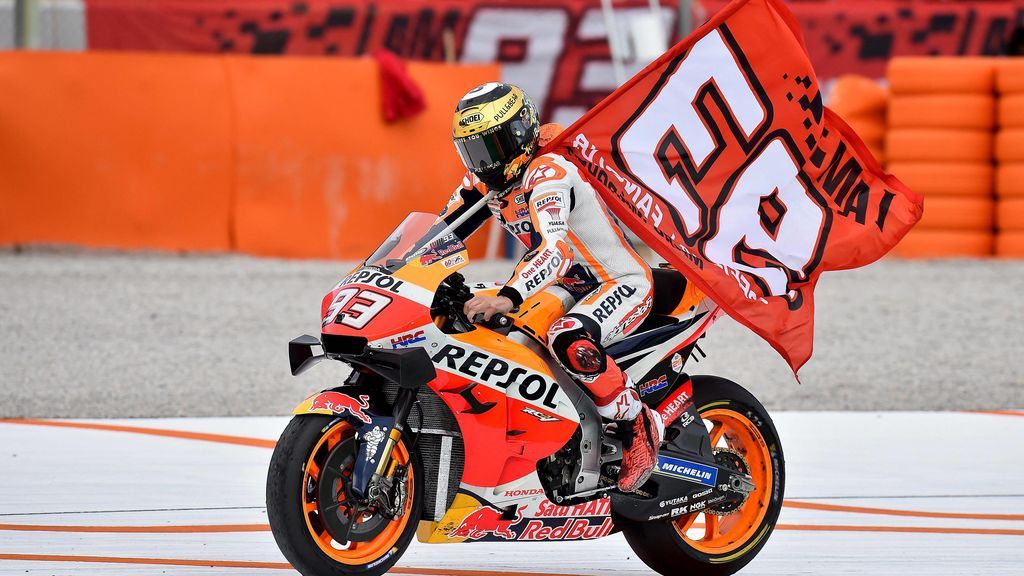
497,321
452,295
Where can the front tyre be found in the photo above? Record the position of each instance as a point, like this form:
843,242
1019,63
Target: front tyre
721,542
311,510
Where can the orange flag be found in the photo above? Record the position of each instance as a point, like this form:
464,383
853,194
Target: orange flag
722,158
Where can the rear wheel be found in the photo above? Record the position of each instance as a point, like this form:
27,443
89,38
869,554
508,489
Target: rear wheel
722,540
313,515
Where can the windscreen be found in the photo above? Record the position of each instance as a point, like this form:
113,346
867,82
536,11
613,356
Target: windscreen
405,242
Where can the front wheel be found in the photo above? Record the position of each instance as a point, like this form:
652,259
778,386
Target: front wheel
722,541
312,513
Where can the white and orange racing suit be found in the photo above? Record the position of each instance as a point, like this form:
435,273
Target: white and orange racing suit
572,243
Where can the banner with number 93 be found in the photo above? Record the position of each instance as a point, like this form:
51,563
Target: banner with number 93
722,158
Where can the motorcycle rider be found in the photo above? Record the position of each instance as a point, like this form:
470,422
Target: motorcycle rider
573,246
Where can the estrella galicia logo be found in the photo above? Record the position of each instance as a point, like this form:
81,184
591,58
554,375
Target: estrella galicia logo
685,470
652,386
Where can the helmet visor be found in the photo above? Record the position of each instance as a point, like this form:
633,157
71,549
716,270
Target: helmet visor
497,146
486,151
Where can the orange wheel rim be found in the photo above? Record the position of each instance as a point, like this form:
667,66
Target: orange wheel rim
717,535
351,553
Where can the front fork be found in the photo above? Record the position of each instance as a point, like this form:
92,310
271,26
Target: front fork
403,406
387,485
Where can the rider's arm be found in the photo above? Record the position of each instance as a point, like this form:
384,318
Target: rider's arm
465,197
549,212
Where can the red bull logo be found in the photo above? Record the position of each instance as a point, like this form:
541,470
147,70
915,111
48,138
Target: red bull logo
339,403
487,521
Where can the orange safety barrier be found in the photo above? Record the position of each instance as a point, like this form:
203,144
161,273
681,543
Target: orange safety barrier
1010,245
957,213
928,75
861,102
854,95
1011,111
283,157
934,145
115,150
941,142
958,111
1010,145
921,243
1010,76
1010,180
870,129
945,178
1010,214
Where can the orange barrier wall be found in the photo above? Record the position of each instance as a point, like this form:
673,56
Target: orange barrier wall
276,157
114,150
862,103
318,174
1010,157
956,135
942,114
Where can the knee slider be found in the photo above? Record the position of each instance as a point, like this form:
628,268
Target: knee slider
575,348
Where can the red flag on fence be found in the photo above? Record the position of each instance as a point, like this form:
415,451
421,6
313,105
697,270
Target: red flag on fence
721,157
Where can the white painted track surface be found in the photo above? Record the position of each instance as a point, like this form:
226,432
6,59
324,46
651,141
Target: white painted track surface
944,494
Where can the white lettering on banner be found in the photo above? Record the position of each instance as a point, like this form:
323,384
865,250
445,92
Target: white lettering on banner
542,31
768,212
709,61
772,172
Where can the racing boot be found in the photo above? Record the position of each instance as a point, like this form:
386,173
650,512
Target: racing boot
638,427
640,437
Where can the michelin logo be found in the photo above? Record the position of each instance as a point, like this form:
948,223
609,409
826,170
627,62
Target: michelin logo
685,470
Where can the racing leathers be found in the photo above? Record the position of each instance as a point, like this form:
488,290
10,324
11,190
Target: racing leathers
574,245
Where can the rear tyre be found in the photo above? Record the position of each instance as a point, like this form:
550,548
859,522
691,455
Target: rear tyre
307,503
708,544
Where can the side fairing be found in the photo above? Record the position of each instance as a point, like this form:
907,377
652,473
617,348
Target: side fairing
510,408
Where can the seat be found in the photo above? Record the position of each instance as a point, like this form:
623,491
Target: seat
671,292
669,288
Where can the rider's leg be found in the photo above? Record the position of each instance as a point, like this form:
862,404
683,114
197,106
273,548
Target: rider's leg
576,342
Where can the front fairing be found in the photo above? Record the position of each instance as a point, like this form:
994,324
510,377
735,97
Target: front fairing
387,300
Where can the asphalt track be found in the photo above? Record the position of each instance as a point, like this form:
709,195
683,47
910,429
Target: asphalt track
927,494
95,335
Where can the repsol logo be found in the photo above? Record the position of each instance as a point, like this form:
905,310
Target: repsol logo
517,228
610,303
374,278
542,275
481,366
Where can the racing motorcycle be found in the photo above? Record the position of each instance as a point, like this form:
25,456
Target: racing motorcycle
458,431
